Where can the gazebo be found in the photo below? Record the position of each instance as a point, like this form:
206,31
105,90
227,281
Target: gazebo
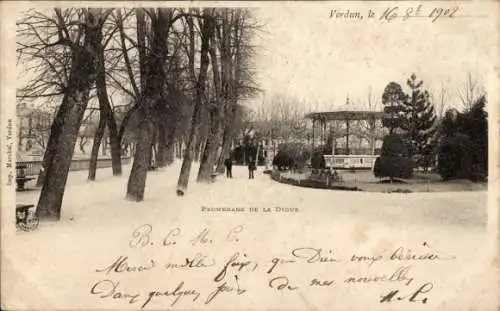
326,124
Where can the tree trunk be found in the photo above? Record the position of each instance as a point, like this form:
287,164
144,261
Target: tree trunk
137,179
153,154
206,30
209,155
197,147
228,134
132,148
49,204
161,145
170,146
180,146
183,181
230,79
215,112
116,150
108,118
226,148
95,146
141,46
114,139
153,78
55,133
104,145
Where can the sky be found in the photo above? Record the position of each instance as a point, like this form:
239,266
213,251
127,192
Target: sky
305,54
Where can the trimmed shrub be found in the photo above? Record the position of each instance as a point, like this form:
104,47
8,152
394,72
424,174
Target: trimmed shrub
318,161
283,161
395,146
393,167
293,155
395,160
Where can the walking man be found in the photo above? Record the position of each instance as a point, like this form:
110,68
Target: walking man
229,166
251,167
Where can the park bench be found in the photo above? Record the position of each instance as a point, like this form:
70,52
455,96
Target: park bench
25,220
21,177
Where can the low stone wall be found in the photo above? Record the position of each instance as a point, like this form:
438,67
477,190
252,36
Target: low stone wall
33,167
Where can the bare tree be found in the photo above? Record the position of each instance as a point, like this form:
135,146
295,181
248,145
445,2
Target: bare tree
153,96
441,102
283,117
170,115
470,91
368,129
67,123
216,105
238,74
207,26
51,66
85,131
161,67
40,44
106,110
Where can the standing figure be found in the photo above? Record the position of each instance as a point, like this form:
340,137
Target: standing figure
251,167
229,166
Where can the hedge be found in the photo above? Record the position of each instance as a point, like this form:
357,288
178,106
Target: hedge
455,160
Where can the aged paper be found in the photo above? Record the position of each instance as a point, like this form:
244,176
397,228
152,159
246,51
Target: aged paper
252,243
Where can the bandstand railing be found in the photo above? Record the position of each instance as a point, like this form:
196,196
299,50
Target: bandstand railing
350,161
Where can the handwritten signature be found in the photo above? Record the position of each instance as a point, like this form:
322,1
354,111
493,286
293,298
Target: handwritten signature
395,295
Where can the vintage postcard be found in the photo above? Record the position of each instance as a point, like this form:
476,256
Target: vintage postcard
252,155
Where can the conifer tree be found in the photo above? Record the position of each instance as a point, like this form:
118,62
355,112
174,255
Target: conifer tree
394,100
421,122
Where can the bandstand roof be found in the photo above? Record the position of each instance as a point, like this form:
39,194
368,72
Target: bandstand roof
345,115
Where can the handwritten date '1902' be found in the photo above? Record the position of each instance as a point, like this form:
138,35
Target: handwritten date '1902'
393,13
433,14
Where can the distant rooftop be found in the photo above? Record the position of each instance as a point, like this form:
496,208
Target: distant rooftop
345,115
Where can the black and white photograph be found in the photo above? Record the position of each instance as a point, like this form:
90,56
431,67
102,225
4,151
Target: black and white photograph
325,155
